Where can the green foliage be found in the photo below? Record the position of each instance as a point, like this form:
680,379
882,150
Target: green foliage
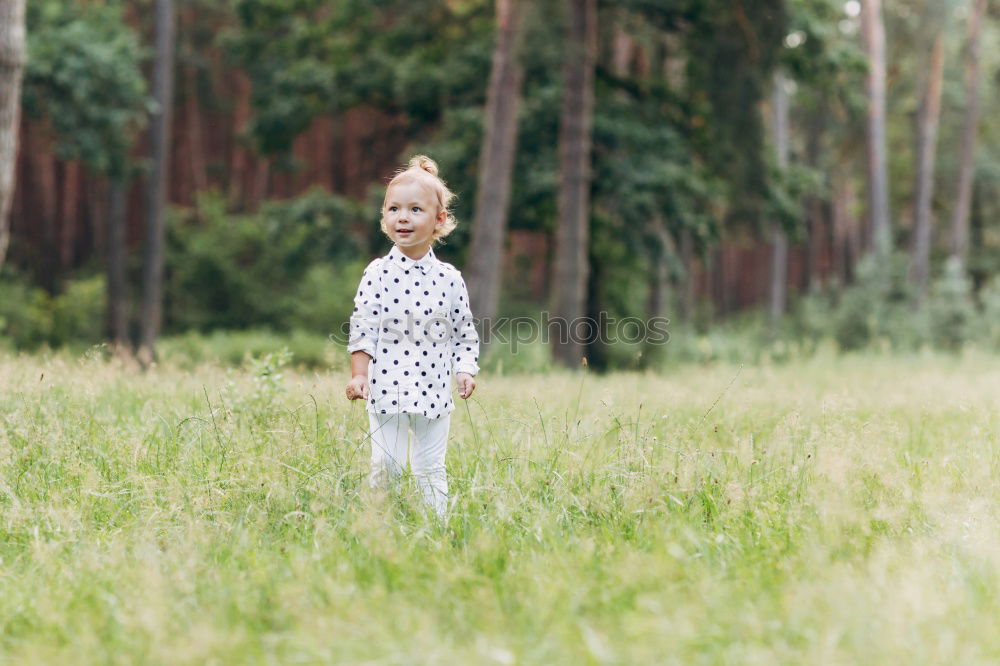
83,75
30,317
826,59
882,311
649,172
732,51
25,315
325,296
78,312
989,324
305,58
878,310
788,189
235,348
952,308
266,268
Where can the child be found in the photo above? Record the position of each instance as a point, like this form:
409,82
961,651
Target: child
411,328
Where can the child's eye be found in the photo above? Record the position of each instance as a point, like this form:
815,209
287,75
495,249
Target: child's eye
416,209
392,209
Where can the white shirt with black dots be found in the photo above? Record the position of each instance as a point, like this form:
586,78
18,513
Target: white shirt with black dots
413,319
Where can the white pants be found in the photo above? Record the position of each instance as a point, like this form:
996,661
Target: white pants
389,437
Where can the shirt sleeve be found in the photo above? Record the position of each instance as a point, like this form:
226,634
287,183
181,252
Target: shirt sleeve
464,338
365,318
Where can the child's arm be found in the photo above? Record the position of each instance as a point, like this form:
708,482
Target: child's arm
464,342
364,332
358,386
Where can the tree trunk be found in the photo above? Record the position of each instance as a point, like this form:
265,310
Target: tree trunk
68,214
816,212
657,305
12,58
238,158
195,136
659,279
847,242
496,163
978,274
960,219
117,298
927,127
878,179
46,180
779,241
687,286
572,234
153,248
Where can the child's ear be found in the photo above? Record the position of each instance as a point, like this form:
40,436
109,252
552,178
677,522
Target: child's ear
441,217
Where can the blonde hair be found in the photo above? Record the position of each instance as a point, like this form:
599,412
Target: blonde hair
424,171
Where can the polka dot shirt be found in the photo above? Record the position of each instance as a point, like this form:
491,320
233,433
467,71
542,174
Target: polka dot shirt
413,319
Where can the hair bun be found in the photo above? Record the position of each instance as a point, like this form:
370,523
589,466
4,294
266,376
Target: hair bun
425,163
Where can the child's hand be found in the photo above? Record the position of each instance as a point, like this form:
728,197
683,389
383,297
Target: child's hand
357,387
466,384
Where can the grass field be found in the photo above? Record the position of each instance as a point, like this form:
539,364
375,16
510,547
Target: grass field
835,511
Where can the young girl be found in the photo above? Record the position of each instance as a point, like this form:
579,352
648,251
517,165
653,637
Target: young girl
410,330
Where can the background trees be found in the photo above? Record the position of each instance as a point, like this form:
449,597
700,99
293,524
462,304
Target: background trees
878,176
11,66
572,266
960,219
496,162
688,190
152,249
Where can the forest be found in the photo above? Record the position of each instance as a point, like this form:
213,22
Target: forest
766,175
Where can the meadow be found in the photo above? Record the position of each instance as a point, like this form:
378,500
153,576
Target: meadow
837,510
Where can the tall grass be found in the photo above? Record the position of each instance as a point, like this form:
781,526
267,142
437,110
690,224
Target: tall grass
825,512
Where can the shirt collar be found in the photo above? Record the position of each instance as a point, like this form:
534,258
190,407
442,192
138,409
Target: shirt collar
425,263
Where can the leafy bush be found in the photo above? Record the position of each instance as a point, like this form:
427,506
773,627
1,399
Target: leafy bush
881,311
987,328
237,347
78,313
30,317
325,297
878,311
951,308
25,315
293,264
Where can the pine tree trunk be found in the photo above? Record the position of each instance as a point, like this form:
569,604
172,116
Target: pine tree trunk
927,127
779,241
816,211
847,241
977,234
878,179
659,286
687,286
117,298
195,136
153,249
960,219
572,234
12,58
45,180
68,214
496,163
238,159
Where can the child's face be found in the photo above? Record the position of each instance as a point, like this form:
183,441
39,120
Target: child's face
410,217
